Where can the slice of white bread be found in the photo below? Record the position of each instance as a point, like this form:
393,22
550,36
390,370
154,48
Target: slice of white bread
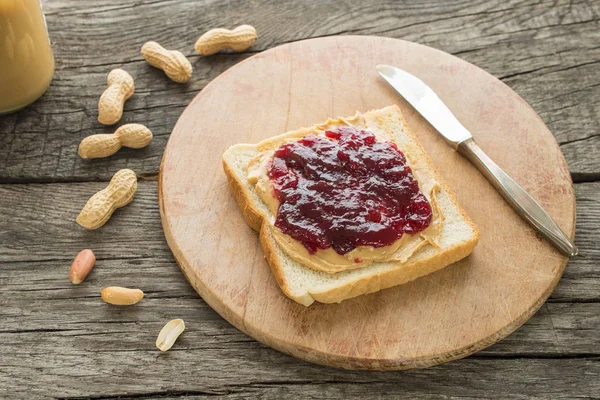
305,285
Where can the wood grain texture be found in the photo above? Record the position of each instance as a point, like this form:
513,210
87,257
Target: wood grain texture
547,51
73,345
39,229
451,313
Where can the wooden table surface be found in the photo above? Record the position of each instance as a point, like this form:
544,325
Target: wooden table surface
62,341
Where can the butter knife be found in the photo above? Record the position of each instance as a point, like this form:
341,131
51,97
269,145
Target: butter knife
429,105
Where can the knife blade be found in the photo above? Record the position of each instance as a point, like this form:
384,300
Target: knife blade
426,102
432,108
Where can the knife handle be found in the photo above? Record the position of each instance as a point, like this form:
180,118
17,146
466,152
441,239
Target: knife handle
525,205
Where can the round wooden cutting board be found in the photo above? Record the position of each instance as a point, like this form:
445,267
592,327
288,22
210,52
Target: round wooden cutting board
444,316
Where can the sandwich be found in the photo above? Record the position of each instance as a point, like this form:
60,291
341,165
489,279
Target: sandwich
348,207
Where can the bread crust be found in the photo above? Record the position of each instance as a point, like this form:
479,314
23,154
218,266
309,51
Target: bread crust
252,216
405,272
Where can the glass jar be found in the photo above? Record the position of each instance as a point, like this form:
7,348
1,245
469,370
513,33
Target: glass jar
26,59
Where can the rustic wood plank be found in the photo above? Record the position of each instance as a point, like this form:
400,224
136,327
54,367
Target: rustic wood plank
414,387
39,299
39,226
71,344
222,371
547,51
55,332
145,374
118,359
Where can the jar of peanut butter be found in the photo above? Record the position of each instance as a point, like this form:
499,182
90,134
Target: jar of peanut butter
26,59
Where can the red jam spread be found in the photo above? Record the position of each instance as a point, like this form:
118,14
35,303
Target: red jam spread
346,191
